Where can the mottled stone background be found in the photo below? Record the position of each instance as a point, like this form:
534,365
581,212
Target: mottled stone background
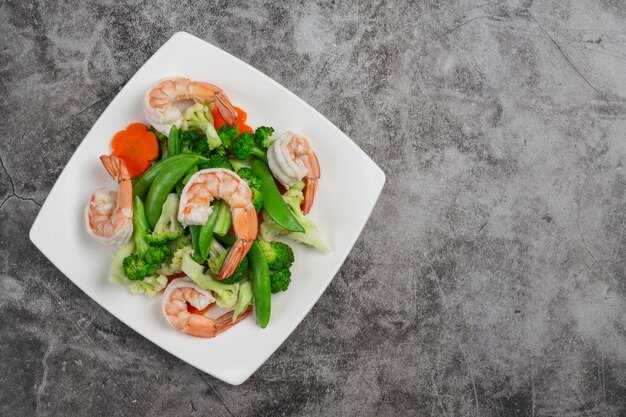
490,279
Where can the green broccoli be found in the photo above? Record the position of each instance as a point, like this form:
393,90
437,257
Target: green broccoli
193,141
243,147
147,258
199,117
225,294
249,177
280,280
254,182
279,255
219,161
227,134
311,236
238,164
167,228
262,137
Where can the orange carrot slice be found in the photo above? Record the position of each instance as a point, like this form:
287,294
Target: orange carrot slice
242,116
137,146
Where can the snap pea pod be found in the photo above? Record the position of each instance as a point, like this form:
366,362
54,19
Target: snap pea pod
273,201
228,239
206,232
181,184
173,142
142,184
162,185
261,285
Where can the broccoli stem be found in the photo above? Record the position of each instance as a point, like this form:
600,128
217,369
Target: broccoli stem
213,138
299,185
224,220
244,299
215,248
259,154
238,164
141,228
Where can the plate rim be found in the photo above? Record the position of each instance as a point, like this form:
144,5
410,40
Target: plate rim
237,379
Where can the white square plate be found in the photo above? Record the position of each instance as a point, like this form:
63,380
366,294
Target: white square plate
350,185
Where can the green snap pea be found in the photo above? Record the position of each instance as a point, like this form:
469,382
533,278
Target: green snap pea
206,232
142,184
273,201
163,184
181,184
228,239
261,285
173,142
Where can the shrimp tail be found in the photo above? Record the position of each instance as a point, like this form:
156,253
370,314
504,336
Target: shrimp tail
225,321
235,256
309,194
226,109
116,167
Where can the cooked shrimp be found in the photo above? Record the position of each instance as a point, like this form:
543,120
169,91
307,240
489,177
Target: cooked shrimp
109,215
183,292
195,208
290,158
159,102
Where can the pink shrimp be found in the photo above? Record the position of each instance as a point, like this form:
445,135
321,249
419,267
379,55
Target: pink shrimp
159,102
195,208
182,293
291,158
109,215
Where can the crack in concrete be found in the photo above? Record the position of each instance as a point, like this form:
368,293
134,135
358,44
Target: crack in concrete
44,378
569,61
219,398
469,21
13,192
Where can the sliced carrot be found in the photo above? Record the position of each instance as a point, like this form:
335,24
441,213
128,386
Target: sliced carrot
242,116
218,120
137,146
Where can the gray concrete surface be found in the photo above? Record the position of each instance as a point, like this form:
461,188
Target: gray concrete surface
490,279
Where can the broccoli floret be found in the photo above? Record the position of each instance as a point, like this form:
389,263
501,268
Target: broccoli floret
249,177
254,182
199,117
279,255
240,274
174,266
144,263
257,199
193,141
262,137
219,161
243,147
148,257
238,164
215,262
225,294
227,135
280,280
167,228
311,236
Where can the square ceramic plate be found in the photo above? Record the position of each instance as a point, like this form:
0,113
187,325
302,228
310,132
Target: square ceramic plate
343,204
